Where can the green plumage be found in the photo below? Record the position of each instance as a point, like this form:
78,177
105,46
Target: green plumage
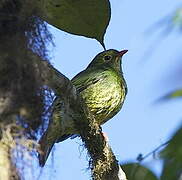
103,89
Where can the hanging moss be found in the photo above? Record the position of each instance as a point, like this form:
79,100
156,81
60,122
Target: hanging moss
24,98
23,38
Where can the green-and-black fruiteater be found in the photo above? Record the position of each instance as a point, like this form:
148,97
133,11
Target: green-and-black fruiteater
103,88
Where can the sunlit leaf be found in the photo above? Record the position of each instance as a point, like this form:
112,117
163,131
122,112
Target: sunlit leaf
177,93
177,18
135,171
172,155
88,18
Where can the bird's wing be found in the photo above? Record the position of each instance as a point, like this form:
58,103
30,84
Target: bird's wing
85,79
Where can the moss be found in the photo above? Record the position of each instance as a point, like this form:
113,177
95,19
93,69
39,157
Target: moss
24,38
24,98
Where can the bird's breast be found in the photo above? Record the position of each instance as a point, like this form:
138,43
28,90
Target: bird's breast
105,97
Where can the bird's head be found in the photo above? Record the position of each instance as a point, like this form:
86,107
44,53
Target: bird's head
110,58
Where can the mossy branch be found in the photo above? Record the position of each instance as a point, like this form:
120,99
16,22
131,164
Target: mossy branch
22,34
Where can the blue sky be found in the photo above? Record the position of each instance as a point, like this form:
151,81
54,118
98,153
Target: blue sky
149,68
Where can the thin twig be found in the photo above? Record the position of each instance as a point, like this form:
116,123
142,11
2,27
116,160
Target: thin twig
141,157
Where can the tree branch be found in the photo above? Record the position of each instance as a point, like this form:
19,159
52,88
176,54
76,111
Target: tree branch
7,169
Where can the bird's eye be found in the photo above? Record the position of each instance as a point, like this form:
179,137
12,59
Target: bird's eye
106,58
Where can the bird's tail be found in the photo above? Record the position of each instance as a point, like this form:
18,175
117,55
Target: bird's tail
53,134
46,144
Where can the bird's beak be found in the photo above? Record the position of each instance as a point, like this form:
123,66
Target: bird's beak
121,53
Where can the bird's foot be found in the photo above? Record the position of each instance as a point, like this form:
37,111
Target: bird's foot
105,136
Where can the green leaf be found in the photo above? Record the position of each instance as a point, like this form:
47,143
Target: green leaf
135,171
172,155
88,18
177,18
175,94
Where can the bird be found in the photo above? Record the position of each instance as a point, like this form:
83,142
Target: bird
103,89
